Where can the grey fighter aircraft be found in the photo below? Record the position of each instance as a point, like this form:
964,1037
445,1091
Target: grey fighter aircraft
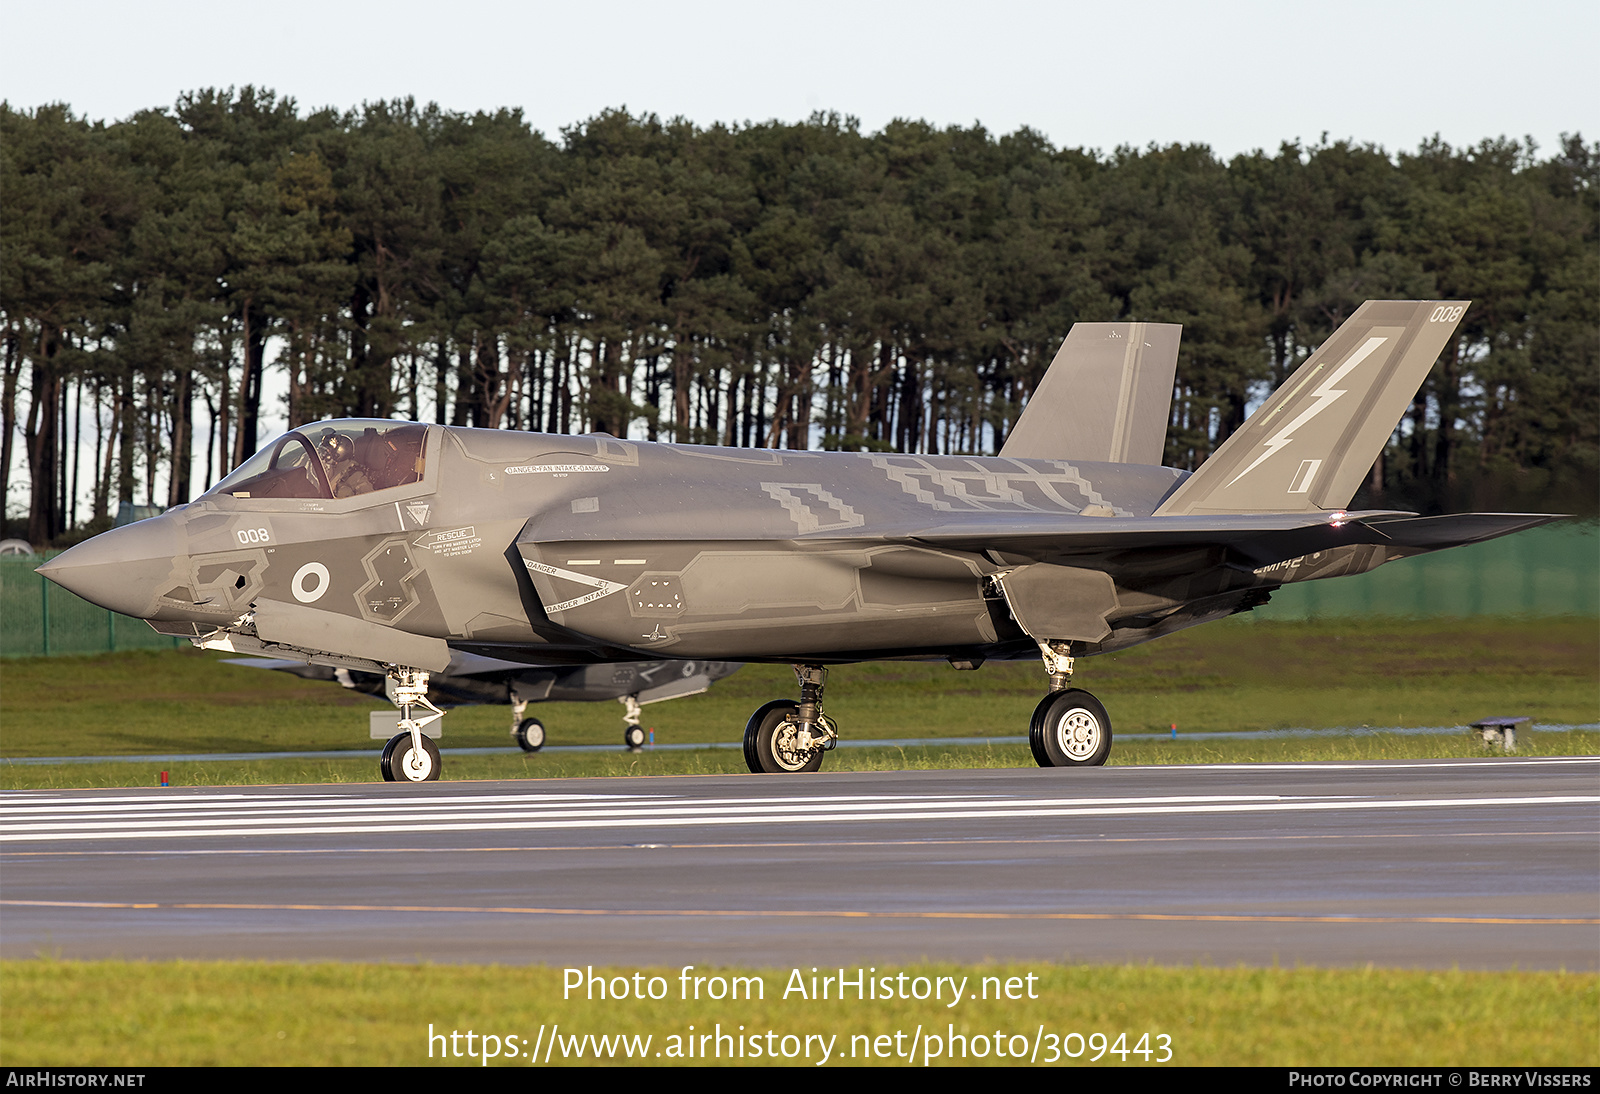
408,544
472,679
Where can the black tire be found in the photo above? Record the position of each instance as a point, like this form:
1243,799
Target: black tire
633,737
396,765
530,735
1070,729
763,752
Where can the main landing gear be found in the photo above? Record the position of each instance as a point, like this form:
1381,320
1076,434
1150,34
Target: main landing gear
785,736
529,733
410,757
632,731
1070,728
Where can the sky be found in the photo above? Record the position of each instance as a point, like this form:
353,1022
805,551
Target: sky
1237,75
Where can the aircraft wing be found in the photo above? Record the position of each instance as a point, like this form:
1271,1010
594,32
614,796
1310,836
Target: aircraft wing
1263,539
302,669
1064,577
462,663
1267,537
1080,585
676,689
473,664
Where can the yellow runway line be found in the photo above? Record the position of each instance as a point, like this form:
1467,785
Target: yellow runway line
1154,917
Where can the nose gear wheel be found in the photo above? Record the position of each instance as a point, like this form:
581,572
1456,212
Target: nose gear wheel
403,763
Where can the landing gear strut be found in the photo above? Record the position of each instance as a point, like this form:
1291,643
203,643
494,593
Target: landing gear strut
410,756
785,736
632,731
1070,727
528,732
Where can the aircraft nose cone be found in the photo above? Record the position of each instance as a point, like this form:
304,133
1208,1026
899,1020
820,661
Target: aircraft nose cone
124,569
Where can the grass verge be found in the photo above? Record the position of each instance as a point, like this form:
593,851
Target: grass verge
1236,675
131,1014
559,765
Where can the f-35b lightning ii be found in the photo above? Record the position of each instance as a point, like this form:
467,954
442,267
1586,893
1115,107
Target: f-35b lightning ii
392,547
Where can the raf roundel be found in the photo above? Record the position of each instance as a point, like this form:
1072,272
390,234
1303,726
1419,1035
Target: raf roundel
310,572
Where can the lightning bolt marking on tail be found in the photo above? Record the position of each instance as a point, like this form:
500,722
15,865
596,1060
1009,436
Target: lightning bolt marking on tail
1324,397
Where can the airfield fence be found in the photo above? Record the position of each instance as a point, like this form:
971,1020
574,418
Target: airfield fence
1549,571
1552,571
40,619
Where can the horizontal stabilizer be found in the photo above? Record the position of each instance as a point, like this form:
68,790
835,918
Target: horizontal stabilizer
1104,399
1455,529
1312,443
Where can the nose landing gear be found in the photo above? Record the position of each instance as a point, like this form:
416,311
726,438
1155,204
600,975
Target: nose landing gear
410,756
403,763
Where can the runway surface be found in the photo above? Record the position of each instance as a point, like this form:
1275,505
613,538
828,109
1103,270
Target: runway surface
1479,863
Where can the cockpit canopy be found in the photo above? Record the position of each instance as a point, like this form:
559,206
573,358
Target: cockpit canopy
331,460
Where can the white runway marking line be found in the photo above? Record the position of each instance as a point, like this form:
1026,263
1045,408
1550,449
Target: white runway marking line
447,816
157,805
1375,765
165,800
426,811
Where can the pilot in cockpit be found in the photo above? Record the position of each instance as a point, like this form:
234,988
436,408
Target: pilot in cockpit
346,477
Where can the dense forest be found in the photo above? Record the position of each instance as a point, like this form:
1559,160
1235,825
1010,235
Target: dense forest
795,285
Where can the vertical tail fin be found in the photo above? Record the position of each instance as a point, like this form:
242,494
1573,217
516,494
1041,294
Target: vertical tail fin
1310,445
1105,397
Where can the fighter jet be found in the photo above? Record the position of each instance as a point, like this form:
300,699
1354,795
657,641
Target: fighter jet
473,679
391,547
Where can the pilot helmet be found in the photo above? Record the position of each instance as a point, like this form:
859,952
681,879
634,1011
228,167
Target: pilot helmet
334,447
